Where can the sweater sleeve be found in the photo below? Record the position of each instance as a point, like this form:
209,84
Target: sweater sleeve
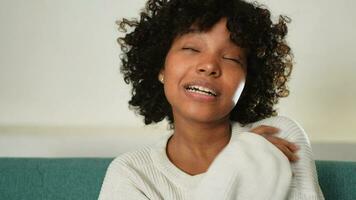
248,168
304,185
118,186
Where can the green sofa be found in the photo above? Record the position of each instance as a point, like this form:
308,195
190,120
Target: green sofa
81,178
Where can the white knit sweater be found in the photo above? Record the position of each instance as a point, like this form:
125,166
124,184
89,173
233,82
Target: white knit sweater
248,168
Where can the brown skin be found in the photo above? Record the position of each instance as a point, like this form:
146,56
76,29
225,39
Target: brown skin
206,59
193,153
202,125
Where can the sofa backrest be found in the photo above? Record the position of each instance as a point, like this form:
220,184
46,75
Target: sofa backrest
337,179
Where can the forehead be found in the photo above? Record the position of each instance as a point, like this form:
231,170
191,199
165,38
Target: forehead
217,33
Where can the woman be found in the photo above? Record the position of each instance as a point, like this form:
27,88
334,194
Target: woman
214,69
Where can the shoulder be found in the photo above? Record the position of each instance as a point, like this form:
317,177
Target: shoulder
122,175
290,129
142,159
124,168
133,159
281,122
278,121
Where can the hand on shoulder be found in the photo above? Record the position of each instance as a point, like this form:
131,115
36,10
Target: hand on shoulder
284,133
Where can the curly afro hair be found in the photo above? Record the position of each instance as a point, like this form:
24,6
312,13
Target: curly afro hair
269,58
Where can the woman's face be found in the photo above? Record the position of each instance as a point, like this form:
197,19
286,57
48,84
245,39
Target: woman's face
204,75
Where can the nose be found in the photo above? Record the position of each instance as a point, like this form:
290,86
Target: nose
209,66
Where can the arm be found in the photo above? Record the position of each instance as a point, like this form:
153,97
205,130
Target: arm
304,185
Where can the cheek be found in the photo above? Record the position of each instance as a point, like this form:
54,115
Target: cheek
173,73
175,67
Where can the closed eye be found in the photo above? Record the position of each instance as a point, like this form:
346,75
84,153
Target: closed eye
236,60
190,49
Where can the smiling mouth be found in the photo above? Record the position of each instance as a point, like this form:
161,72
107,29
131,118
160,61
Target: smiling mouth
201,90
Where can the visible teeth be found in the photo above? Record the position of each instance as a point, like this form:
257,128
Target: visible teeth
201,90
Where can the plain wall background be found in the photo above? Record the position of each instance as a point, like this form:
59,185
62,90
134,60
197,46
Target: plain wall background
61,93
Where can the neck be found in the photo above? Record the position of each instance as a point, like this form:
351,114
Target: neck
200,140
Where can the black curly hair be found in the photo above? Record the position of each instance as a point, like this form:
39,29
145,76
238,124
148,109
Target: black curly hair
269,58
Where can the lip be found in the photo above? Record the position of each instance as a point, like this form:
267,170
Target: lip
202,97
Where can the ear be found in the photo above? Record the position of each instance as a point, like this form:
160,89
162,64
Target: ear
161,76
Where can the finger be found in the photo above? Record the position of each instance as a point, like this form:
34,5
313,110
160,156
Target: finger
283,146
293,147
290,155
277,140
265,130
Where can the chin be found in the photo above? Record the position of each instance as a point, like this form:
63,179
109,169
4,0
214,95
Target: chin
207,117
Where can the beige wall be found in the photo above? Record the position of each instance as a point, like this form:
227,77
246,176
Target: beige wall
59,70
